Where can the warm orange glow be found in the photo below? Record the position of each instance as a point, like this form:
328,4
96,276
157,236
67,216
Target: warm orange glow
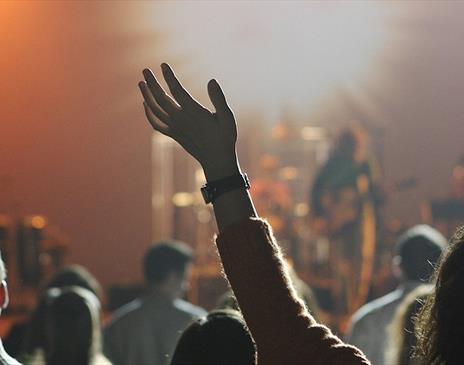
4,221
301,210
183,199
288,173
38,222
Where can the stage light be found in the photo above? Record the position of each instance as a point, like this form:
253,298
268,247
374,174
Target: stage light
313,133
272,55
289,173
38,222
301,210
183,199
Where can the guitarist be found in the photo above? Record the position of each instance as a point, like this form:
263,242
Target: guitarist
343,205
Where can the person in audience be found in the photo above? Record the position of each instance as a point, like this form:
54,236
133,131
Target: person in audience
5,359
440,323
72,329
417,250
221,337
146,330
283,330
27,336
75,275
401,335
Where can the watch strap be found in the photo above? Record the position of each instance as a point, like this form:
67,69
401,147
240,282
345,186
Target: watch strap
212,190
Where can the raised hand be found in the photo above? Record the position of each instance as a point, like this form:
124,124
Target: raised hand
209,137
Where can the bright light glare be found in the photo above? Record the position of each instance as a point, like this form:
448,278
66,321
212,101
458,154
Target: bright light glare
271,55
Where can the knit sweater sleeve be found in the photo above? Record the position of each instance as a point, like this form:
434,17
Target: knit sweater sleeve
284,332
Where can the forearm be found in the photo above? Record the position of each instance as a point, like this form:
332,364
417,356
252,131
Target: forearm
233,207
284,332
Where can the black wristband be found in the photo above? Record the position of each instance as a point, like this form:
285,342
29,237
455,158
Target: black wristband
213,189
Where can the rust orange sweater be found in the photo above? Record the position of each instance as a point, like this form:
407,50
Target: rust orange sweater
284,332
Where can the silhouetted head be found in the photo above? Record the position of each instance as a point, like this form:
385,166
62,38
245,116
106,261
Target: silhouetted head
72,326
75,275
417,252
351,142
440,325
220,338
70,276
166,265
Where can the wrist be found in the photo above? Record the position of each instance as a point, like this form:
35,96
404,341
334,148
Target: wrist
215,189
221,170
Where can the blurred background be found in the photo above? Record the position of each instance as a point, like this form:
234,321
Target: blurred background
84,180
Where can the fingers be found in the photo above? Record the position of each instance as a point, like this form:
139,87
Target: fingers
166,130
162,128
219,100
151,103
163,99
178,91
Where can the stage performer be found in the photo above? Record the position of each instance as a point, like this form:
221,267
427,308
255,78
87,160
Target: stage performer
344,199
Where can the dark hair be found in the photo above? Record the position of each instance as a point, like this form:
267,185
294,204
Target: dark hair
345,144
349,141
440,323
419,249
220,338
75,275
401,334
165,257
69,276
72,326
